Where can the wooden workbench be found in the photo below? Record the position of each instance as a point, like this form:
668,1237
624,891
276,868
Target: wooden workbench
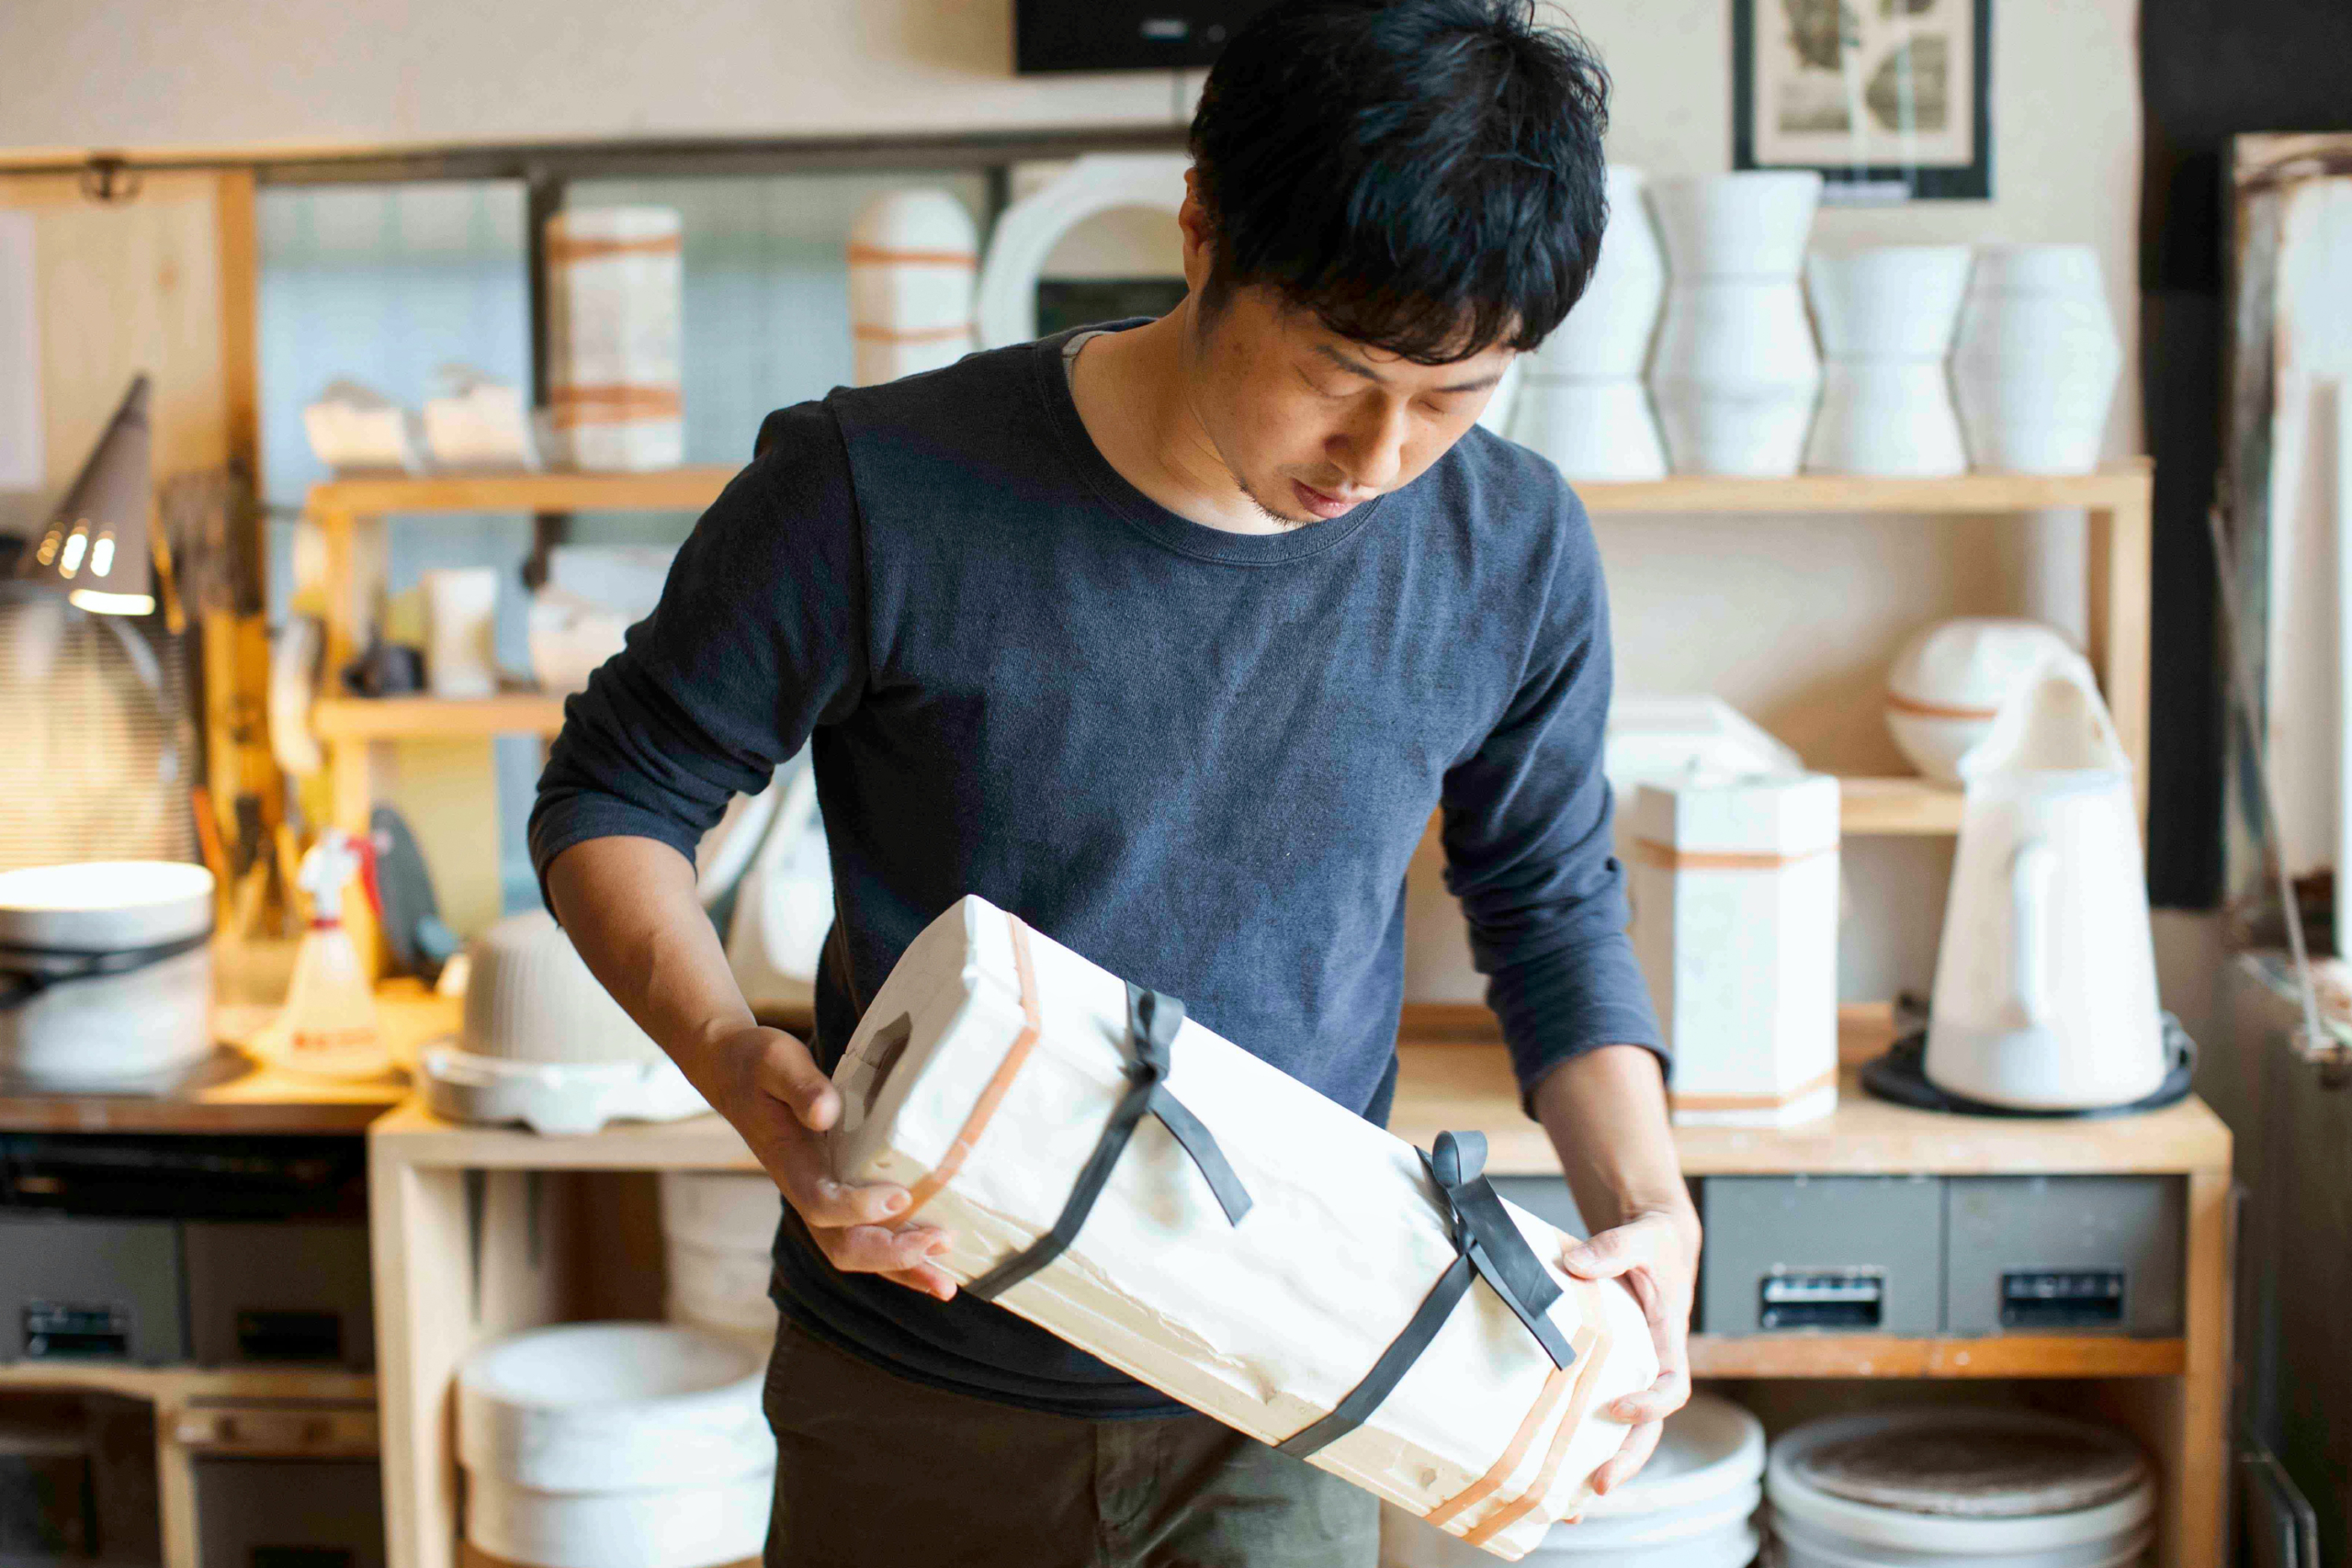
453,1206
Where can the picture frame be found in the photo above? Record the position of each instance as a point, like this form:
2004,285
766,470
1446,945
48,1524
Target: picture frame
1889,100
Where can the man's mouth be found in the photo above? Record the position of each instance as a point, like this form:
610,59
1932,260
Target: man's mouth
1323,503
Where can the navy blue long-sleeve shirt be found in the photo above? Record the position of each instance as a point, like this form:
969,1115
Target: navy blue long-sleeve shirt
1202,759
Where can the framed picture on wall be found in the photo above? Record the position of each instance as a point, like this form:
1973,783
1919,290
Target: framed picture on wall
1891,100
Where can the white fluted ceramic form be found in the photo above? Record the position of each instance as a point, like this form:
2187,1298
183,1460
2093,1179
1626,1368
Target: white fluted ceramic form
1886,317
1599,429
1750,224
1735,376
1607,335
2036,363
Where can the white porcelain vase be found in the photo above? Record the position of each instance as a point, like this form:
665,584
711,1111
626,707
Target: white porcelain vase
1886,317
2037,359
1735,375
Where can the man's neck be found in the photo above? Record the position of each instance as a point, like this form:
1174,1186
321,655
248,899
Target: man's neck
1133,392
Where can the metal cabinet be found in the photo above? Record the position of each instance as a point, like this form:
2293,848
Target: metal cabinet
1838,1254
2064,1254
76,1286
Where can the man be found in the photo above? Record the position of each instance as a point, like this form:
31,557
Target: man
1169,638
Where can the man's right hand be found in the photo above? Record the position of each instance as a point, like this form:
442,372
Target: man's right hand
782,1104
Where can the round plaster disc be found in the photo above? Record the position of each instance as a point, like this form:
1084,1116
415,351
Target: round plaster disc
1976,1472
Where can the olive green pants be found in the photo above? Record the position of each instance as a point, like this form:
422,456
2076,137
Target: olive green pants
874,1471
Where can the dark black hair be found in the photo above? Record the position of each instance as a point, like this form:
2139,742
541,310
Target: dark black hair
1425,176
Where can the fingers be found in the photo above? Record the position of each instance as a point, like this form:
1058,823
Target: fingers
785,1071
1614,1252
929,1279
871,1249
1639,1444
1656,1403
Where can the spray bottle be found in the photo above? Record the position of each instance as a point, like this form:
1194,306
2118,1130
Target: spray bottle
328,1026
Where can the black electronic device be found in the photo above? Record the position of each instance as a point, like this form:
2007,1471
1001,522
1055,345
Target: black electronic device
1125,35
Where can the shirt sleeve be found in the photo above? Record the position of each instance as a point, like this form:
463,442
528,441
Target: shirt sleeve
1528,848
759,638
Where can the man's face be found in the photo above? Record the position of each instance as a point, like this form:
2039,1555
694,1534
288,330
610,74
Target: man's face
1312,424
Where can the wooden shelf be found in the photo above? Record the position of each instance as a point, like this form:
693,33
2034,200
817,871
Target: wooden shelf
1882,807
663,490
2123,485
1883,1355
437,718
680,489
181,1385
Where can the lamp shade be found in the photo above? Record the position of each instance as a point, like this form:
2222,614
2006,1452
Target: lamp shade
96,546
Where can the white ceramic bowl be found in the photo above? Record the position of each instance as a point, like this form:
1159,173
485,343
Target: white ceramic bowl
710,1284
530,998
1749,224
1885,417
1868,1527
138,1028
1709,1450
1887,302
685,1527
720,1209
1608,333
1948,684
1747,433
591,1408
1408,1543
1804,1546
1601,431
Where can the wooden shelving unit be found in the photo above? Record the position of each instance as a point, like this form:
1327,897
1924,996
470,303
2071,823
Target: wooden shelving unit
436,1248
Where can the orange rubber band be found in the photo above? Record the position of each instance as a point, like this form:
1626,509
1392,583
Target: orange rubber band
991,1096
1592,1344
1554,1384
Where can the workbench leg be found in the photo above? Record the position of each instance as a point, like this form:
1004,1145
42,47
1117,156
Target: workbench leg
459,1258
419,1246
2202,1505
174,1487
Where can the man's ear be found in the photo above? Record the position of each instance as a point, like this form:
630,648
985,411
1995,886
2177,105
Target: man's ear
1199,230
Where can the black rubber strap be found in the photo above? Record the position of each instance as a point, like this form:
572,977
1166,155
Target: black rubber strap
1152,1022
26,972
1487,1243
1393,1363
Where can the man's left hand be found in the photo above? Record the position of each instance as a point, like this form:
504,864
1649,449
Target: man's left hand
1657,1256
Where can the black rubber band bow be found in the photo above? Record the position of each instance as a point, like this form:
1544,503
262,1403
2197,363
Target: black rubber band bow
1152,1022
1486,1244
27,972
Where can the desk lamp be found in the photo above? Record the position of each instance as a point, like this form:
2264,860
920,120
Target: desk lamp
98,545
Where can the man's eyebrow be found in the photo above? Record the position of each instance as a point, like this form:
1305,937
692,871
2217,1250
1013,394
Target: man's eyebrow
1355,367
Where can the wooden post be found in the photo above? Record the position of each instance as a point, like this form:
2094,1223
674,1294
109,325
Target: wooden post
2120,586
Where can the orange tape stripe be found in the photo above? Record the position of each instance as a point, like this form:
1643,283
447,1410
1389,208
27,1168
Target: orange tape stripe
1554,1384
561,250
1672,859
882,255
985,1108
1902,704
911,334
1751,1101
1592,1349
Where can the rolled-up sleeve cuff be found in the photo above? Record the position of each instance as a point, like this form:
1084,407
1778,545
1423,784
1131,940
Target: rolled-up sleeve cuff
1557,1005
561,822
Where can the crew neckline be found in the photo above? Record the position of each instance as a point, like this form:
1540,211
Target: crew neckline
1169,529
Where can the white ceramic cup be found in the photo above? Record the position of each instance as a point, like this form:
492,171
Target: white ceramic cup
1887,302
1749,224
1885,417
460,617
1599,429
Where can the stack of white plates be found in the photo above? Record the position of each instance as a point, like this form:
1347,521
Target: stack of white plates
614,1445
1693,1505
1958,1489
716,1231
